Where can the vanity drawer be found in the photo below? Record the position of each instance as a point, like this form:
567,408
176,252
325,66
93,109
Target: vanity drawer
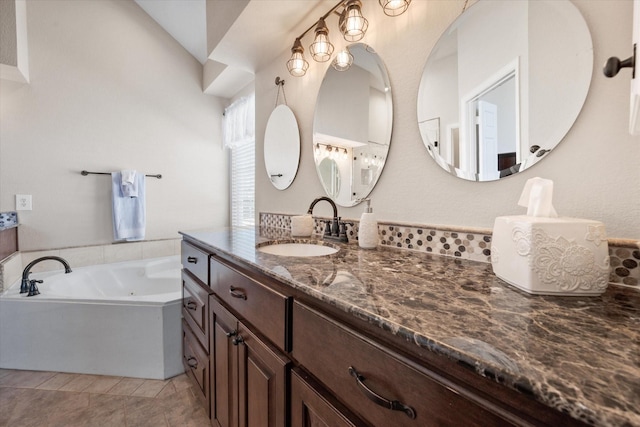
196,363
195,301
196,261
337,355
259,305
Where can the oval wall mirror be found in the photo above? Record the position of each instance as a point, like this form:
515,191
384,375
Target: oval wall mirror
352,126
282,147
503,86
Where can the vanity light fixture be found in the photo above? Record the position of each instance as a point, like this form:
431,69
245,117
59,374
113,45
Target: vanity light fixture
343,60
353,26
297,65
394,7
321,49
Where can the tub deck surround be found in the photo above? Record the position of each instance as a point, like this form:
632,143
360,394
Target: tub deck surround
112,319
578,355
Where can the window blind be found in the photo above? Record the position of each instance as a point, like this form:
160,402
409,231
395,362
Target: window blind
243,184
239,137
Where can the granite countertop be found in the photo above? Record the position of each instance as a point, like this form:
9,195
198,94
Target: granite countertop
580,355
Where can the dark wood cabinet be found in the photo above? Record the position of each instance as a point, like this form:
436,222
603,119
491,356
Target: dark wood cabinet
195,321
196,363
313,406
248,374
260,359
223,374
375,383
262,382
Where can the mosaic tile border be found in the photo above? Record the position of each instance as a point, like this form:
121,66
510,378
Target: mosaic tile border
8,220
466,243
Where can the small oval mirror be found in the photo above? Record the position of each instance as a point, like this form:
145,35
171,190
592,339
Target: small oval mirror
352,126
282,147
330,176
503,85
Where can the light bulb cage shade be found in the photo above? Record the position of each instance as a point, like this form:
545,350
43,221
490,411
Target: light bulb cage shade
394,7
343,60
297,65
321,49
352,24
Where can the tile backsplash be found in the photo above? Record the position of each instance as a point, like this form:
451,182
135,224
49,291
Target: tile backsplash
466,243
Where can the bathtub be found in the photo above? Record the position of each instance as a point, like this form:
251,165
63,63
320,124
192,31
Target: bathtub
120,319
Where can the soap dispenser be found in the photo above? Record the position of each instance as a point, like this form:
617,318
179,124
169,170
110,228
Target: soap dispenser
368,228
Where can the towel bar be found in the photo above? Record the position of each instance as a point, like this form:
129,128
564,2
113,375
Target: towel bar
85,173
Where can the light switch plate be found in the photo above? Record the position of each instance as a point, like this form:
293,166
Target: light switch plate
23,202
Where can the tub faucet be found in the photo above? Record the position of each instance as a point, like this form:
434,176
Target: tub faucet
30,285
333,229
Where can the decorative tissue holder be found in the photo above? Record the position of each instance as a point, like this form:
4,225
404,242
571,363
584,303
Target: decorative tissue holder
301,225
551,256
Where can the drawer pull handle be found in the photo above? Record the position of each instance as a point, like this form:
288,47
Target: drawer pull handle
379,400
237,340
192,362
237,294
192,305
192,260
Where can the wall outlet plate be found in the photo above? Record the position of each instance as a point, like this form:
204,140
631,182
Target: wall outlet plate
23,202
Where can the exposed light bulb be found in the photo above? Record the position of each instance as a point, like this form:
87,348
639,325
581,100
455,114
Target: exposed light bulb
353,25
394,7
343,60
321,49
297,65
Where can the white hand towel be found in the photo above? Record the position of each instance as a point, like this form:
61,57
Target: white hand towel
129,213
129,183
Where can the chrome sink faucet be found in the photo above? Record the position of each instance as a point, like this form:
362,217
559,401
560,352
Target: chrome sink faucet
30,285
334,229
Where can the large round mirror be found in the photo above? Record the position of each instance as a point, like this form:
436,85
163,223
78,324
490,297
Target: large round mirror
282,147
352,126
503,85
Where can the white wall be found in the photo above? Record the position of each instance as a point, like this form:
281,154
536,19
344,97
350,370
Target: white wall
596,168
109,90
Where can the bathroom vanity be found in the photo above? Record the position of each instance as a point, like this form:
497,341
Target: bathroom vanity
389,337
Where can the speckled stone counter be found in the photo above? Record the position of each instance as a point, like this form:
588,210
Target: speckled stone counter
580,355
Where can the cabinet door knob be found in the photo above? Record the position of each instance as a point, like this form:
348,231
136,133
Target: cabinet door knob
192,305
236,293
231,334
379,400
237,340
192,260
192,362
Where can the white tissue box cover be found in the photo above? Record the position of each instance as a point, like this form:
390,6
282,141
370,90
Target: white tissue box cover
301,225
551,256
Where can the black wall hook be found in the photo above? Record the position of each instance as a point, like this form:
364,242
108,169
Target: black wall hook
614,65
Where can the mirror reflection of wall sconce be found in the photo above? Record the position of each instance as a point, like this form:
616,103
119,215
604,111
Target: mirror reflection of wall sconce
353,26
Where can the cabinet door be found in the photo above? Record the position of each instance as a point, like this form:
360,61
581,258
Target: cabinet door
262,377
312,406
224,370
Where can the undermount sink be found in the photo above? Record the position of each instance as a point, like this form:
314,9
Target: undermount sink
297,249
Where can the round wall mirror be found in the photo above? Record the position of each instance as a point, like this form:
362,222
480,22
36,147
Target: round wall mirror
503,85
352,126
282,147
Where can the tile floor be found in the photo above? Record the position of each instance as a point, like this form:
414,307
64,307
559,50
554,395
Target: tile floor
33,398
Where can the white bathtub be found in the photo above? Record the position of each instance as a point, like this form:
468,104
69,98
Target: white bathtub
119,319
